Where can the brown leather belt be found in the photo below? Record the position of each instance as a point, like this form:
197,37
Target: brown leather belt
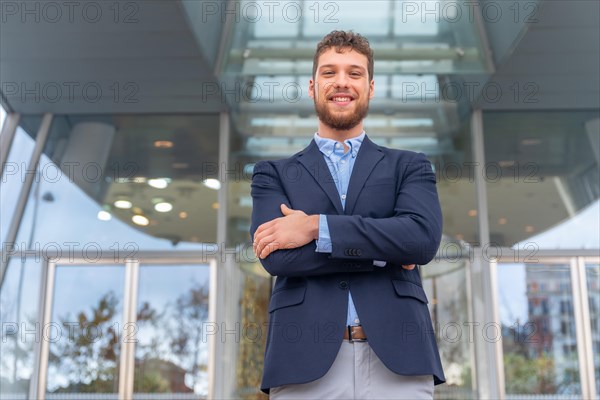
355,334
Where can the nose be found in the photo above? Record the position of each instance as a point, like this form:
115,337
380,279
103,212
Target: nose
342,80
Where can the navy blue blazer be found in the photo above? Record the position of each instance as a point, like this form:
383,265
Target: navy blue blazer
392,214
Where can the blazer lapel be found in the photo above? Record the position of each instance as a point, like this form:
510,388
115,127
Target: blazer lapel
312,159
368,156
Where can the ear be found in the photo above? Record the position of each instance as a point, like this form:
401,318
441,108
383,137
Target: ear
311,89
371,89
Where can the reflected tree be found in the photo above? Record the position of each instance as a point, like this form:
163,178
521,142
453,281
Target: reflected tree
187,341
89,355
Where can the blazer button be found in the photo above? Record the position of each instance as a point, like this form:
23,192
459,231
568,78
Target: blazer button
358,252
343,285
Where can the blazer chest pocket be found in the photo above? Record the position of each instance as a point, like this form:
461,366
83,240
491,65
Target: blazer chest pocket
409,289
287,297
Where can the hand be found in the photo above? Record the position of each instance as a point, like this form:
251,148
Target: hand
294,229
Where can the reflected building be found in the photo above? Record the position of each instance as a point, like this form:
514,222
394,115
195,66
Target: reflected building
127,155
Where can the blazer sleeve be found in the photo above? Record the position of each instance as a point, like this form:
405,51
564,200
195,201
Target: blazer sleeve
411,235
267,196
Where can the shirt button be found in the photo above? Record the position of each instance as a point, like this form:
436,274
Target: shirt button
356,321
343,197
343,285
343,162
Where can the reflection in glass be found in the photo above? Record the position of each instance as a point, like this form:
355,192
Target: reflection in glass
538,330
92,162
19,299
85,330
445,284
172,337
593,287
254,301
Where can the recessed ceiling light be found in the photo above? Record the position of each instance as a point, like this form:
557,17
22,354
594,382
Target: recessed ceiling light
529,228
123,204
502,221
163,207
163,144
159,183
507,163
104,215
140,220
180,165
215,206
472,213
183,215
530,142
212,183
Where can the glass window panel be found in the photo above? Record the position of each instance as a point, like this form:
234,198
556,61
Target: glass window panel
253,304
372,18
538,330
19,319
444,282
412,18
85,330
593,286
272,20
542,177
92,162
421,88
172,340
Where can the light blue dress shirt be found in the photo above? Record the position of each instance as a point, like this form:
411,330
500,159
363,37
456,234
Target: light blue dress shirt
340,165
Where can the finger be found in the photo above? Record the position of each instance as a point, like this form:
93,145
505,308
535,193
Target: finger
285,210
265,243
260,244
409,267
258,236
268,249
264,226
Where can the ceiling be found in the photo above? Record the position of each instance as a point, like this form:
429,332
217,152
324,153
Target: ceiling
553,62
148,61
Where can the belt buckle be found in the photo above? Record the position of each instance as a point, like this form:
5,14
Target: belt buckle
351,339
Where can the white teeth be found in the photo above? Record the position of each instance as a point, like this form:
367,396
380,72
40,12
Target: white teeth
341,99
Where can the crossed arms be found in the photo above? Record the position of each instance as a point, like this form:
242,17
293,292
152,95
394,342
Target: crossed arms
284,239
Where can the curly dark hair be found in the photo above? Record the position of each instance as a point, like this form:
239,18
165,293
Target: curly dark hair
343,40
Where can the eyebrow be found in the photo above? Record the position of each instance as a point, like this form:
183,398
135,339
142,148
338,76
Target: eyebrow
335,65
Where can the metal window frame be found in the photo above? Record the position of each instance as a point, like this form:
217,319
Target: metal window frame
484,301
583,325
6,138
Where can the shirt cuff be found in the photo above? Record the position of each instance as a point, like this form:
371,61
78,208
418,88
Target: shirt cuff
324,241
378,263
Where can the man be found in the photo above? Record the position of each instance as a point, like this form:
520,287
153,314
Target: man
342,225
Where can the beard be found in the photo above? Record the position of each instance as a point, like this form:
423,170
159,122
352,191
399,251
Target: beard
341,122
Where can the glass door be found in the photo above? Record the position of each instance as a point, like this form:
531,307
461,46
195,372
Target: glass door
138,330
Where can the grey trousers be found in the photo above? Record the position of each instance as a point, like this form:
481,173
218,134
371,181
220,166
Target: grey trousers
357,373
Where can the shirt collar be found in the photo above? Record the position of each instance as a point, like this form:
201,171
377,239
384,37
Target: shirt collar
327,146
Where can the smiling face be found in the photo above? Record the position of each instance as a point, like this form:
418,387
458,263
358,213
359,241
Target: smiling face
341,90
